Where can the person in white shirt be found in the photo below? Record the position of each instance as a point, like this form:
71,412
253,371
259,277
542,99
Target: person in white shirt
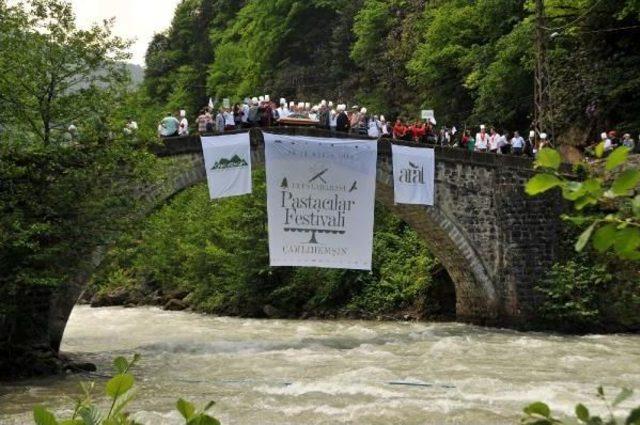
373,130
283,111
517,143
384,127
229,122
244,119
504,145
333,121
482,140
493,141
608,146
313,114
183,129
219,122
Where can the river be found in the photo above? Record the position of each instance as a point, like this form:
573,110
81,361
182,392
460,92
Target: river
267,372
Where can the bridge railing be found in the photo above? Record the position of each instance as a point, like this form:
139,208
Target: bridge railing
173,146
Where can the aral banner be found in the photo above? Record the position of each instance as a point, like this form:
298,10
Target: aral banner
227,159
414,175
320,201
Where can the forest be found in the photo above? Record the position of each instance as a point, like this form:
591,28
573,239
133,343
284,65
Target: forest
470,61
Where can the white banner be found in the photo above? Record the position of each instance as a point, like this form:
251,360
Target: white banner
228,163
414,175
320,201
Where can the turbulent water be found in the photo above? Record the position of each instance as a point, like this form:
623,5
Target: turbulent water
291,372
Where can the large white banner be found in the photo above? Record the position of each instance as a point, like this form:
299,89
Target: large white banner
320,201
227,159
414,175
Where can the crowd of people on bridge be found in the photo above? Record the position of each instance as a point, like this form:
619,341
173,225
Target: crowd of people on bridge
339,118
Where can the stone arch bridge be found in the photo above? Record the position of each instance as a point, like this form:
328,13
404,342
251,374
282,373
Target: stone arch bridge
493,239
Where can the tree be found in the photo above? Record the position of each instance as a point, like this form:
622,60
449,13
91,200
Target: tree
606,201
52,71
60,197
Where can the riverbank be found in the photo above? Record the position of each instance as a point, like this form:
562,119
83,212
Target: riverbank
181,301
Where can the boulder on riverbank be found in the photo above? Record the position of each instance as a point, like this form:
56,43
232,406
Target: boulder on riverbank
175,305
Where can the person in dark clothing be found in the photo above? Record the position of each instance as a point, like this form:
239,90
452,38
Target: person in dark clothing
324,116
342,124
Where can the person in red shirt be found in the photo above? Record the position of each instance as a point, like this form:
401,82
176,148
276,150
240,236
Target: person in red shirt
419,131
399,130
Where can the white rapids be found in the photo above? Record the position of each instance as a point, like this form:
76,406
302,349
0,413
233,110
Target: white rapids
277,372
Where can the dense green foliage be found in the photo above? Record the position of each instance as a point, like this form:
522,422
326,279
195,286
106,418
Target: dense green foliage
470,61
217,252
599,289
590,293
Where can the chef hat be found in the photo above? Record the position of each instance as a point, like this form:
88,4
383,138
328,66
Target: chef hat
323,103
330,104
382,118
307,105
183,113
301,105
543,136
283,101
532,134
261,98
254,100
267,98
483,127
603,135
292,104
363,110
342,108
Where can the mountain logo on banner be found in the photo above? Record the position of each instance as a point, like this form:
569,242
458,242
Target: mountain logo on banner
225,164
414,174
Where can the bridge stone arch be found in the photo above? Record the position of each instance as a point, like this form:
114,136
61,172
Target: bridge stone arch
493,240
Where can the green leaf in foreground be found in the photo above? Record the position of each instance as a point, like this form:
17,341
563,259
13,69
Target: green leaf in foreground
542,183
42,416
538,408
186,409
584,238
582,413
627,241
203,420
634,417
604,237
548,158
617,157
121,364
119,385
625,182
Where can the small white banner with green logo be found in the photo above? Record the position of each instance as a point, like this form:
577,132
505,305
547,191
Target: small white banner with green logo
320,201
227,159
414,175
